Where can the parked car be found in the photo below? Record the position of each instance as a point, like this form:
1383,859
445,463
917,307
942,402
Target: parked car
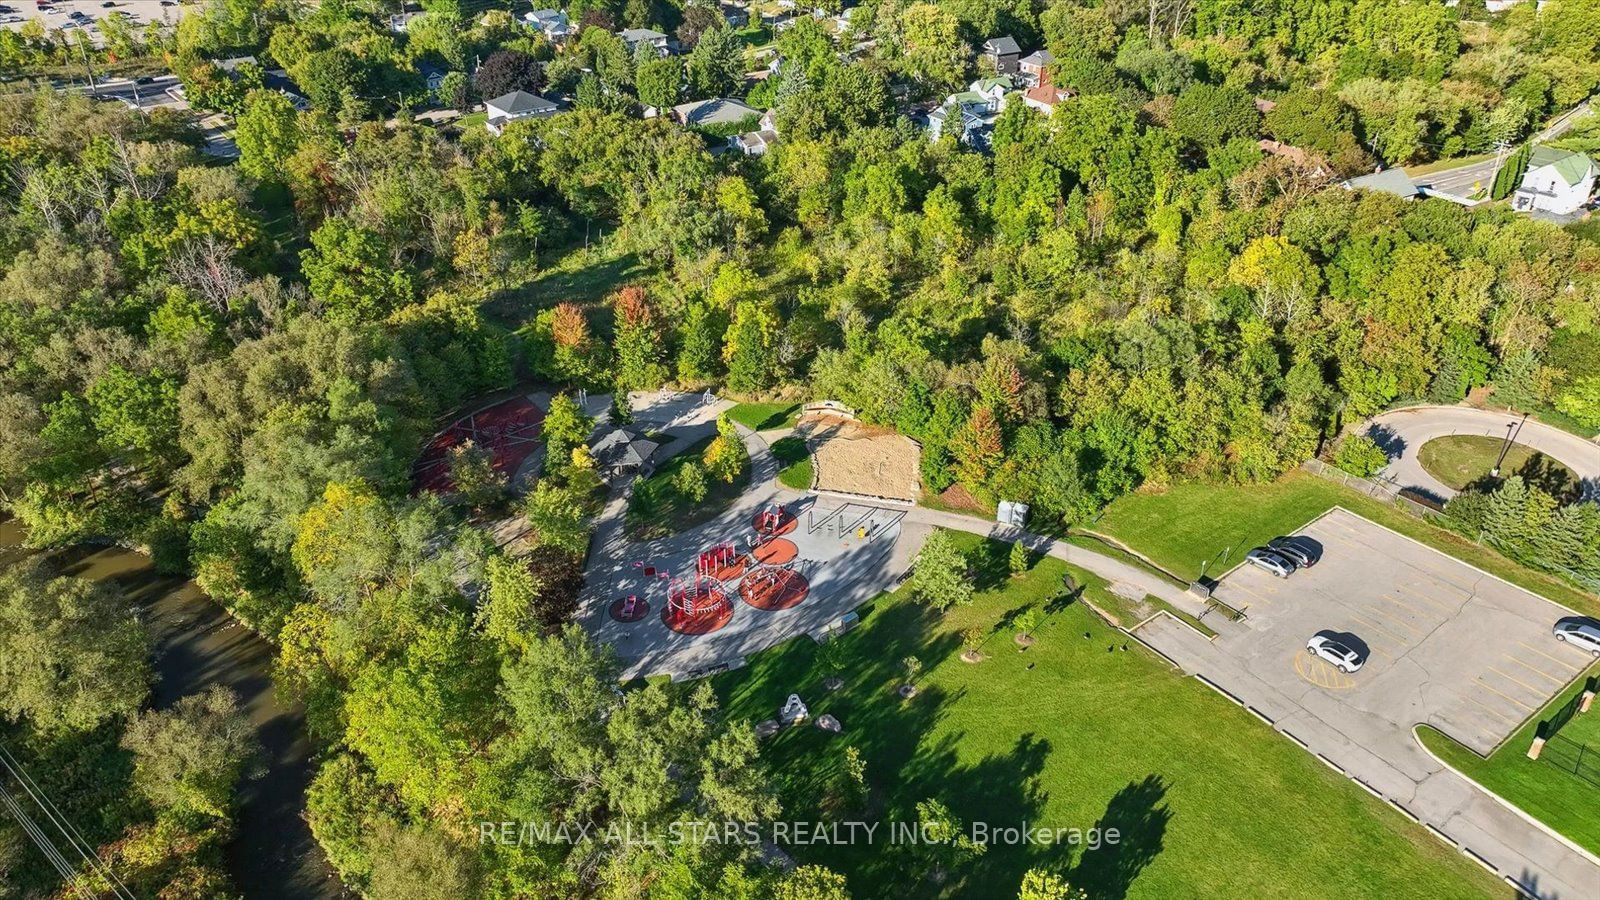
1580,634
1270,561
108,4
1334,653
1297,552
6,9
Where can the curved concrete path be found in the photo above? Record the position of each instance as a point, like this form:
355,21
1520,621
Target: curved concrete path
1402,433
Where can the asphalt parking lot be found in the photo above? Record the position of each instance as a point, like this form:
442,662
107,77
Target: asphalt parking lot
1444,643
139,13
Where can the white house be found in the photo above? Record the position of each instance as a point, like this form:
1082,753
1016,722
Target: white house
1557,181
970,114
508,108
552,23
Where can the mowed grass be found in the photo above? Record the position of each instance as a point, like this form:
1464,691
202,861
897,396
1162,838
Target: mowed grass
658,508
1461,459
1190,525
765,416
794,462
1075,732
1541,788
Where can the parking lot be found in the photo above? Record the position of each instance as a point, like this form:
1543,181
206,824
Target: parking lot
1443,644
57,15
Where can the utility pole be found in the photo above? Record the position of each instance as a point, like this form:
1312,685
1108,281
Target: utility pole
1512,430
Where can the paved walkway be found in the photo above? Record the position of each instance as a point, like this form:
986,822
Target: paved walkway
1403,432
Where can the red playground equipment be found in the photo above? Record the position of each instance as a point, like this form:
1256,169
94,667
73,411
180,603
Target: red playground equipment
631,608
773,521
721,563
696,606
773,588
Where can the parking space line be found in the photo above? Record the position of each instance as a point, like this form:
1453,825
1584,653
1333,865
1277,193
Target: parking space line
1541,692
1390,617
1420,613
1570,667
1491,710
1536,670
1507,696
1252,593
1438,604
1382,630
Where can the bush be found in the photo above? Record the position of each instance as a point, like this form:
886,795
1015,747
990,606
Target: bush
691,481
1360,455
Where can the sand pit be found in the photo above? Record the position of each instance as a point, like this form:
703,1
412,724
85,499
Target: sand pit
852,458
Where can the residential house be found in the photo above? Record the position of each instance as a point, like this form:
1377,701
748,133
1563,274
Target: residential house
432,76
713,112
1557,181
399,21
735,16
508,108
758,142
553,23
1033,67
633,37
1045,97
754,143
970,114
623,453
1388,181
1308,161
1002,53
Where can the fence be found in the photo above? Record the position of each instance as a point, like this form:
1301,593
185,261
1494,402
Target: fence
1381,489
1573,757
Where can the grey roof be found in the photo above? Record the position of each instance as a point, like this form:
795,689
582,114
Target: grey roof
1039,58
1389,181
635,35
542,14
521,102
716,111
1004,45
621,447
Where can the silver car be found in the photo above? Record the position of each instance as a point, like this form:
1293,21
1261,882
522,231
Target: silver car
1271,561
1580,634
1334,653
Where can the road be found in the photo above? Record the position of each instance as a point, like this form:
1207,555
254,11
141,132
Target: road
1403,432
1463,181
148,95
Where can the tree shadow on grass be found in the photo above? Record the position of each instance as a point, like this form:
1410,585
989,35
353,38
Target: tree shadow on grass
990,564
1140,817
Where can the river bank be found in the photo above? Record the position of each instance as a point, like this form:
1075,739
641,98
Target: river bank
197,645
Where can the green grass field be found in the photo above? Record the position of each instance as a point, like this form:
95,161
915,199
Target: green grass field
658,508
765,416
794,462
1073,732
1461,459
1190,525
1541,788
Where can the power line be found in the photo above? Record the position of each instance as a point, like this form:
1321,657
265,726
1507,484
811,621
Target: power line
40,840
64,825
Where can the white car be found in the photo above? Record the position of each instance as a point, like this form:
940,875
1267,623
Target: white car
1334,653
1580,634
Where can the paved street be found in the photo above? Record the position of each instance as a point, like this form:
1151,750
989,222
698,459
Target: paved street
1403,432
1446,644
1463,181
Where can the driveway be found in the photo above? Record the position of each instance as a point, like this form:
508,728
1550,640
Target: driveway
1402,433
1446,645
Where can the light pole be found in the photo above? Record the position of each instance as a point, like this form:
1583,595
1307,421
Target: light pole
1512,428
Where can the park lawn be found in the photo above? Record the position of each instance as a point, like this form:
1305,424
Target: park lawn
1188,526
794,462
765,416
658,509
1540,788
1461,459
1074,732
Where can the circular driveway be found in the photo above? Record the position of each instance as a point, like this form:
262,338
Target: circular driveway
1402,433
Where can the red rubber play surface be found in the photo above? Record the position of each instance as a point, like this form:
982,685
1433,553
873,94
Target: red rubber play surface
622,611
774,589
509,430
776,552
